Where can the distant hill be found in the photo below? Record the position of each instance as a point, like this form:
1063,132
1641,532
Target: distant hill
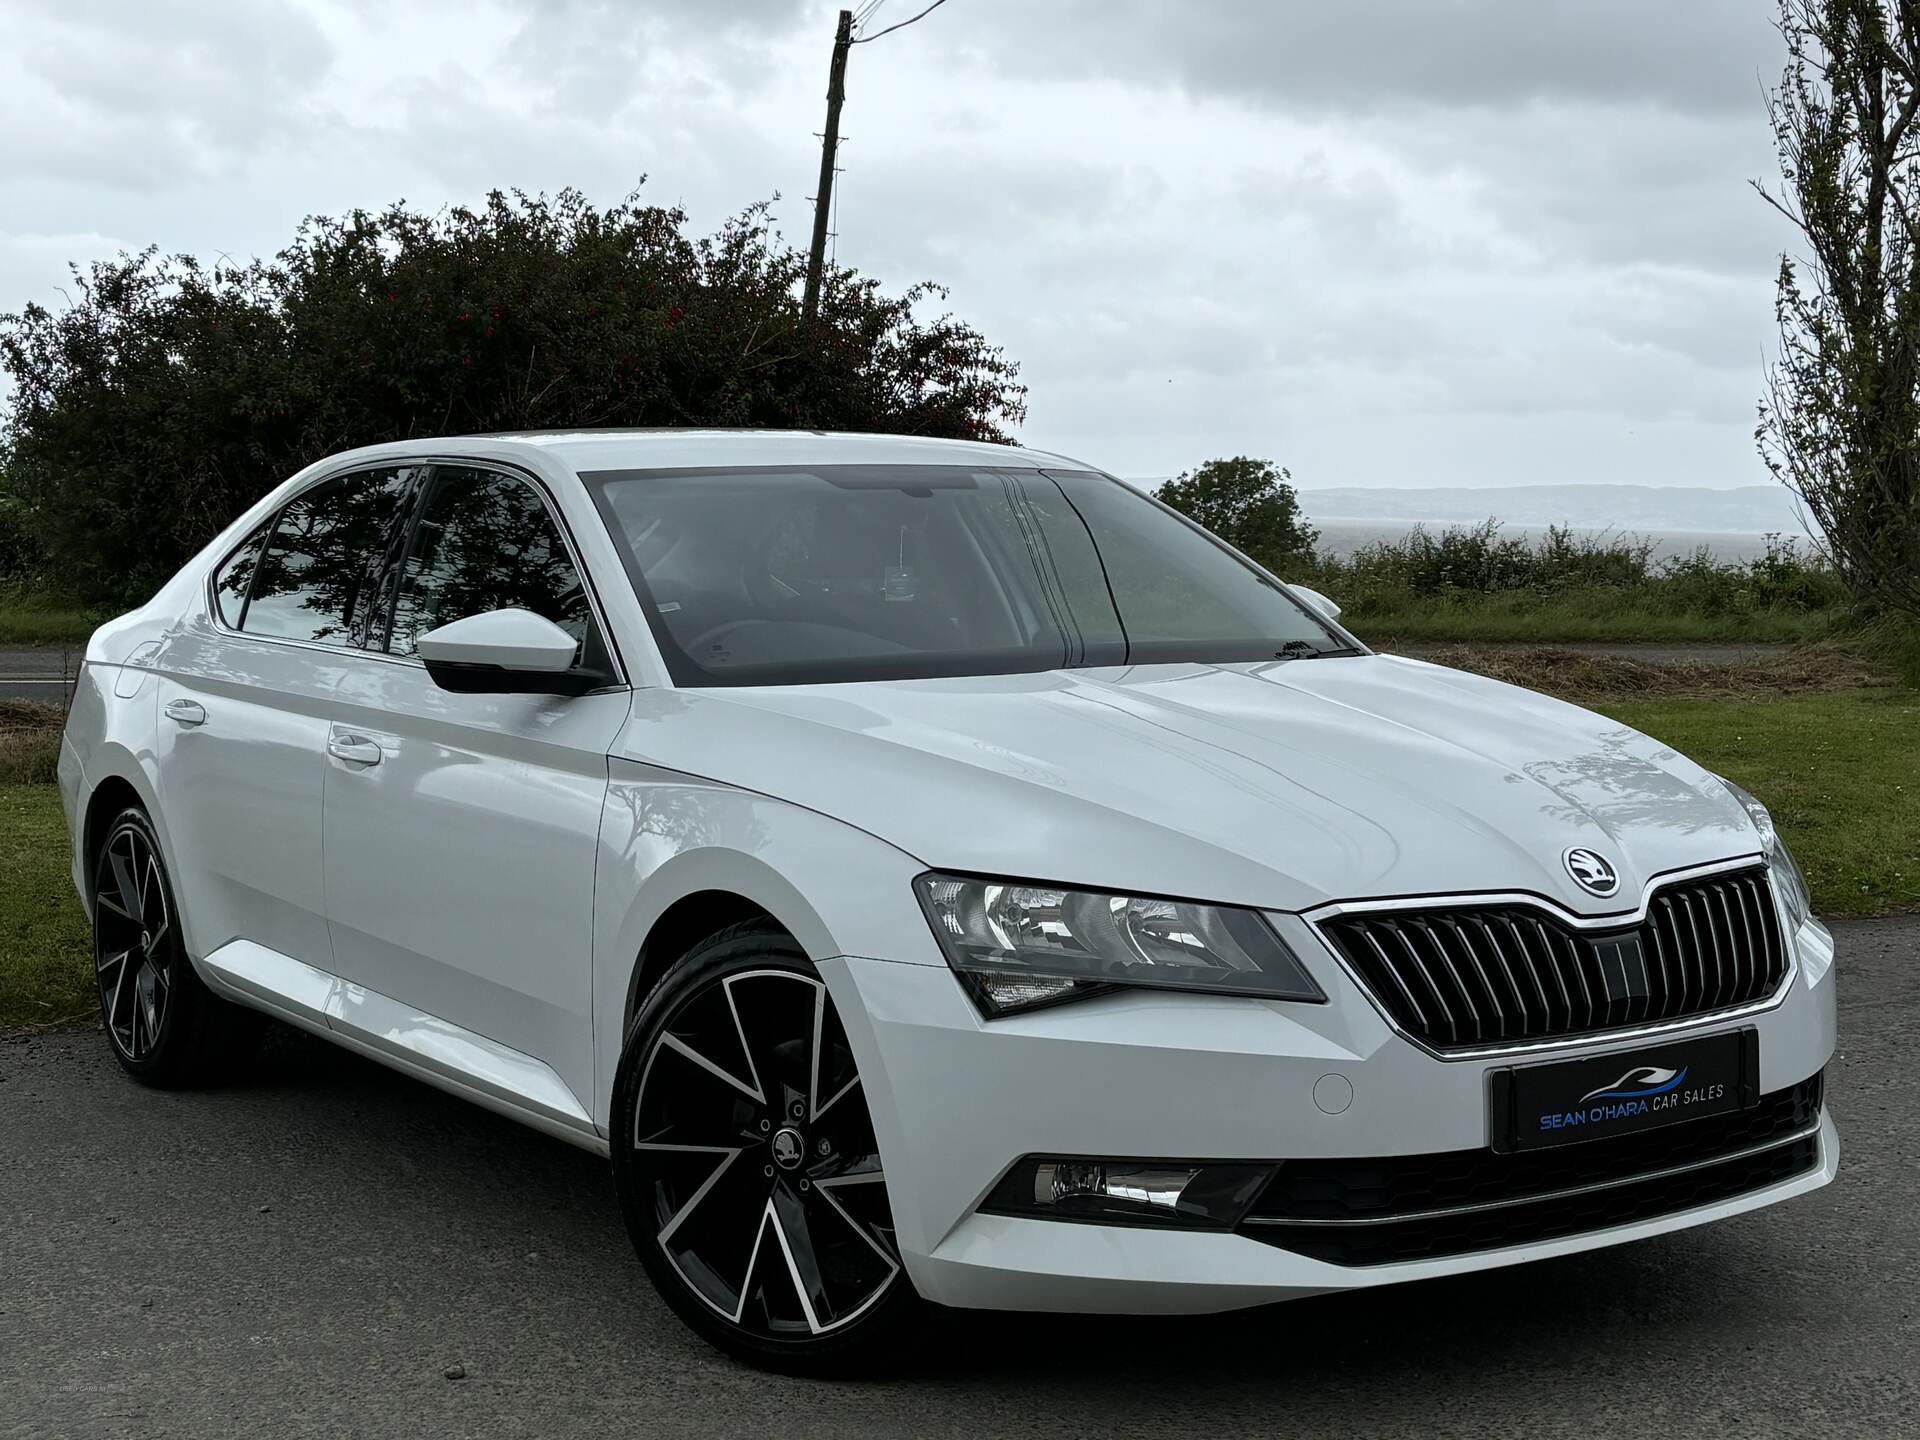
1749,510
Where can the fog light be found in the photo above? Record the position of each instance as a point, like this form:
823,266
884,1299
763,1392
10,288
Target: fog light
1141,1192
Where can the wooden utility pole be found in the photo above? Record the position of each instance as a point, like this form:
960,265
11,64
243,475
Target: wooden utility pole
829,143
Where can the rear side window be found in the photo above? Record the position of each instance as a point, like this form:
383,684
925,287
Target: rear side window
235,575
316,577
485,541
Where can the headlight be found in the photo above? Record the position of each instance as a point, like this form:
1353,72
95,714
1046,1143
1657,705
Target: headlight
1792,884
1017,945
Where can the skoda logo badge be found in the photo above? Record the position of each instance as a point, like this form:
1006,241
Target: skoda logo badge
1592,871
787,1148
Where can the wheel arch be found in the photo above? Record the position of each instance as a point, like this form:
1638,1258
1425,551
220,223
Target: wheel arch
679,859
679,929
699,892
115,781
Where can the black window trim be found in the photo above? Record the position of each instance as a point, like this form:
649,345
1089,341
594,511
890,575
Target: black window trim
427,464
258,536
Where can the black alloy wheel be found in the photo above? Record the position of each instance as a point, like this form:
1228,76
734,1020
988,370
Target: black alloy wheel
135,943
166,1027
747,1165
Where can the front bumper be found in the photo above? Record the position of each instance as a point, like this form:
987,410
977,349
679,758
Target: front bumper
956,1101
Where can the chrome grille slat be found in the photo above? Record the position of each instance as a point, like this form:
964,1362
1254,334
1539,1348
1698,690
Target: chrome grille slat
1703,943
1460,989
1487,987
1514,987
1465,976
1733,939
1533,972
1671,996
1446,1011
1742,894
1399,981
1559,975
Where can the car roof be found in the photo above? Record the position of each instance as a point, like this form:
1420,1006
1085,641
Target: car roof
667,449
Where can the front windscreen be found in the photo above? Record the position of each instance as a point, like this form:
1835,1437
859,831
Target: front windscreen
873,572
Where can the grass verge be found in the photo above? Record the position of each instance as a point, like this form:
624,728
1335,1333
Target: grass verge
29,743
1837,771
46,966
35,620
1589,679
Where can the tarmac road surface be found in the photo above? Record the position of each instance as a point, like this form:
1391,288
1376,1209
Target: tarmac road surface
311,1253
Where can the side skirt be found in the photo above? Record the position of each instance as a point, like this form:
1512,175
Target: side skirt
424,1046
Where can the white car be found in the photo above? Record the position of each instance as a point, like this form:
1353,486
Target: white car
933,872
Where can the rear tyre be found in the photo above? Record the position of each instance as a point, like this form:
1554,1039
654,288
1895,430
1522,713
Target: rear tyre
746,1166
165,1026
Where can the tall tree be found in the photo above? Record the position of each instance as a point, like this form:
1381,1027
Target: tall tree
1840,422
1248,503
170,394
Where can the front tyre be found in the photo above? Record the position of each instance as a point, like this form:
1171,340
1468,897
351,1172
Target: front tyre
166,1027
746,1166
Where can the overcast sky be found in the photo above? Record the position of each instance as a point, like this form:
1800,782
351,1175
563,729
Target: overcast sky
1384,242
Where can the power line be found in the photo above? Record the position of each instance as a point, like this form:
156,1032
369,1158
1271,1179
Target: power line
903,24
866,12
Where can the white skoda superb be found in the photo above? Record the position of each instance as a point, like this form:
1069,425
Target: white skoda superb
933,872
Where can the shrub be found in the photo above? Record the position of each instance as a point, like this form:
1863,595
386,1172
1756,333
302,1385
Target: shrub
171,395
1248,503
1461,563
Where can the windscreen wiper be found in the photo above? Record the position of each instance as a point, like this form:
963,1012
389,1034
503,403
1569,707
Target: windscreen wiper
1307,650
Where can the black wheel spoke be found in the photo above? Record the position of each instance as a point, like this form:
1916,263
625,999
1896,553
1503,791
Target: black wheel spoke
686,1052
794,1231
113,902
134,941
126,889
119,989
752,1137
153,905
855,1264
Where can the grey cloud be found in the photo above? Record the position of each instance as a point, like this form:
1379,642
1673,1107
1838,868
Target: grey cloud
139,96
1696,56
1447,239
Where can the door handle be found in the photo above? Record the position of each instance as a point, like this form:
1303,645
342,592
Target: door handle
356,749
187,712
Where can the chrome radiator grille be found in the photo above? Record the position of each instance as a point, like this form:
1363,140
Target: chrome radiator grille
1464,977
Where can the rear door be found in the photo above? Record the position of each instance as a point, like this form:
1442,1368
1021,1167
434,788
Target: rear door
244,690
461,830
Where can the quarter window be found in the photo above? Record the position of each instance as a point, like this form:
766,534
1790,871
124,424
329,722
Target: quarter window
485,541
235,575
315,581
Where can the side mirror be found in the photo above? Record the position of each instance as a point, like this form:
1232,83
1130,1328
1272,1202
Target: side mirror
505,652
1318,601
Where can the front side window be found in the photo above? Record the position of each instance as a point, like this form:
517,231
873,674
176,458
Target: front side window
315,579
485,541
799,576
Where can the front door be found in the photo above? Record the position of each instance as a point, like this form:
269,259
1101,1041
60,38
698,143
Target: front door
461,829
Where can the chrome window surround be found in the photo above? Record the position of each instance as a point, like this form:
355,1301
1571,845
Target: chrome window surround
211,601
1615,920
